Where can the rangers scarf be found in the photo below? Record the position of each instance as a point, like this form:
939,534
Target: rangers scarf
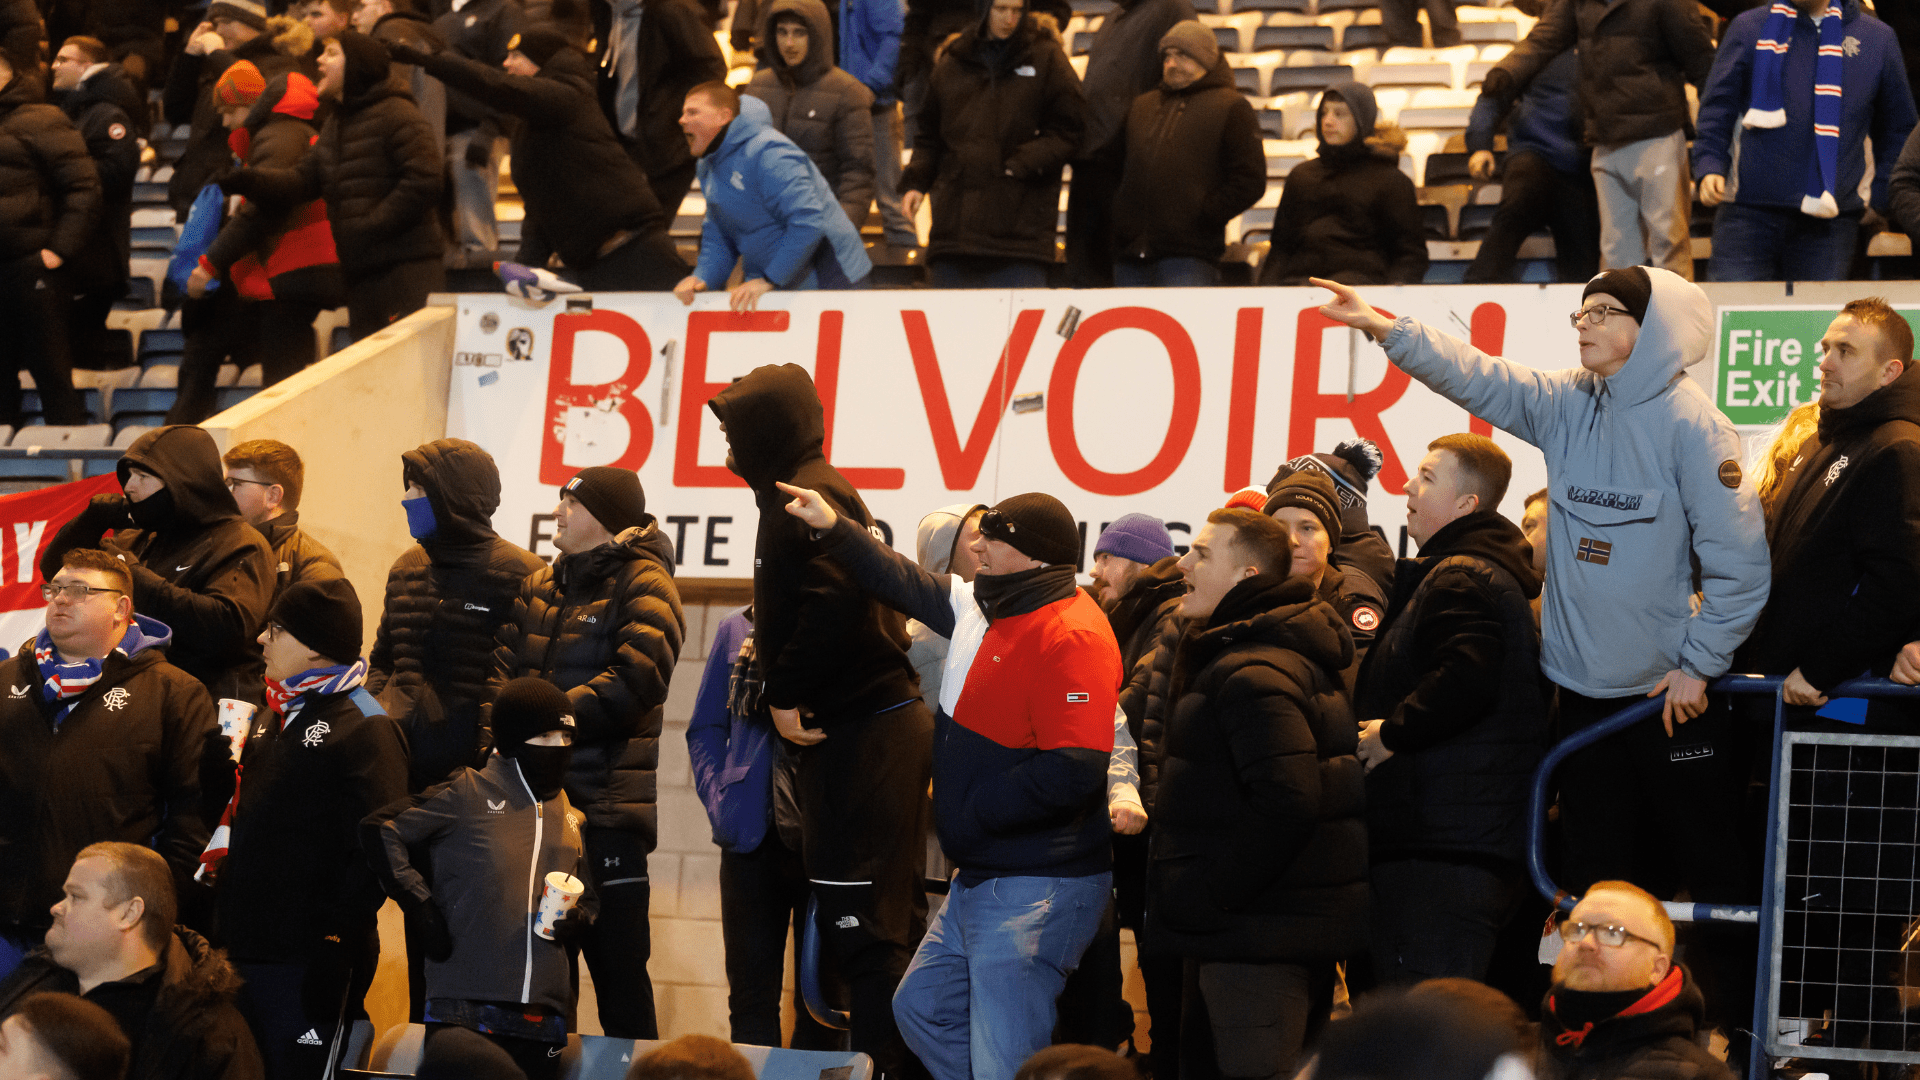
1767,106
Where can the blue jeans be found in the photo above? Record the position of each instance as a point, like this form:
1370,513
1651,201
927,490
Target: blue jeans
978,999
1776,243
1175,272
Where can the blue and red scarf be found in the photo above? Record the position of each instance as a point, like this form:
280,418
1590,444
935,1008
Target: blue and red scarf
1767,106
67,679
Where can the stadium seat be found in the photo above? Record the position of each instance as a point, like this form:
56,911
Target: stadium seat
1284,155
1346,5
162,346
1434,218
1475,220
1312,79
1447,168
52,469
1302,6
1083,41
1479,33
1437,108
1364,36
1319,38
227,397
251,375
1273,123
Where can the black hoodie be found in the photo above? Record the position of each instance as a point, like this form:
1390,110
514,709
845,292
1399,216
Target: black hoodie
108,111
820,640
447,598
1259,849
1845,537
606,627
1455,672
191,1031
1194,161
204,572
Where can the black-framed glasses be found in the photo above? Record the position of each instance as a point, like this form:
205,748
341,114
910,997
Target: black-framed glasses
1597,314
1610,936
274,630
74,593
234,481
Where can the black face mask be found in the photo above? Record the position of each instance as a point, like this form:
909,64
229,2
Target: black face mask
545,767
153,512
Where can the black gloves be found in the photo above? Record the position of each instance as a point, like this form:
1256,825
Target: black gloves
572,928
1499,84
101,514
329,974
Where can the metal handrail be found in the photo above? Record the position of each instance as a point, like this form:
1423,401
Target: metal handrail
1626,718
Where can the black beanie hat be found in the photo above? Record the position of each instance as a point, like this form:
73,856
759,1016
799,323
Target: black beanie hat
323,615
1312,491
613,496
1351,466
527,707
539,42
1631,285
1036,525
368,63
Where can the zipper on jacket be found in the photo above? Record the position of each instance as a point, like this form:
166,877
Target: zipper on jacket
533,882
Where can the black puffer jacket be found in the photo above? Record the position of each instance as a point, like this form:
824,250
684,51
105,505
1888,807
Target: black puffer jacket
1350,215
1000,121
1456,675
819,639
605,626
206,573
1635,56
824,110
1845,537
447,598
125,768
49,191
579,184
380,171
1259,849
295,872
107,110
1658,1040
1193,162
192,1032
188,99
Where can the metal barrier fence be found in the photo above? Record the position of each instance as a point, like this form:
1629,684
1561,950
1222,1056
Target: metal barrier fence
1806,803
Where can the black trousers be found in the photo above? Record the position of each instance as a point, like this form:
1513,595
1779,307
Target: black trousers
87,325
33,310
863,806
1532,194
617,947
1436,920
540,1061
763,894
390,293
222,328
1096,180
1251,1020
293,1040
1091,1008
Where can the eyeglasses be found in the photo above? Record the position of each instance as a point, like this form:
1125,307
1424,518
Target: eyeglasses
274,630
234,482
1610,936
73,593
1597,315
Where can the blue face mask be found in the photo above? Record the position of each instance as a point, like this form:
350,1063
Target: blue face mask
420,520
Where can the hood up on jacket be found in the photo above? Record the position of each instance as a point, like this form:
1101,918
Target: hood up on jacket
773,415
1370,135
1220,74
1674,337
185,459
462,485
940,536
1483,534
820,45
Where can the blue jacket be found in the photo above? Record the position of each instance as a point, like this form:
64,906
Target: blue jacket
769,206
870,43
1647,490
1768,166
1545,120
732,755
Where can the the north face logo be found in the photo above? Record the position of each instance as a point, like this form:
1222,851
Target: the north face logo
311,1038
116,699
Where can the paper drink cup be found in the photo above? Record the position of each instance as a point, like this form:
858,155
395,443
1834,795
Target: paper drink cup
236,720
562,892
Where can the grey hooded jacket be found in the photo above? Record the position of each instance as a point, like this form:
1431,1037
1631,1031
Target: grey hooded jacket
823,109
1645,480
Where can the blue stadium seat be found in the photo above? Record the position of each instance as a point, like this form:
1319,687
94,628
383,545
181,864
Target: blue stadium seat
1317,78
1293,37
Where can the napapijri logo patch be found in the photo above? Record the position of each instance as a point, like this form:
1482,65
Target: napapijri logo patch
1593,551
1612,500
1071,698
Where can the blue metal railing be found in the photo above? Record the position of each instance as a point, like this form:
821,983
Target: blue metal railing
1679,912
